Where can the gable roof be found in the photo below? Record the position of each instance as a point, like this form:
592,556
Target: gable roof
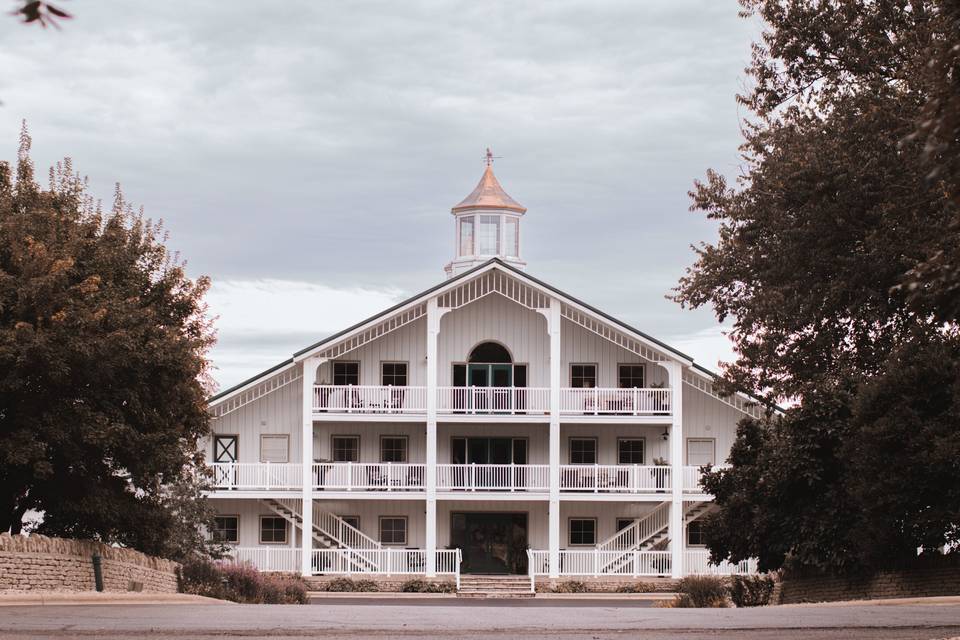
493,262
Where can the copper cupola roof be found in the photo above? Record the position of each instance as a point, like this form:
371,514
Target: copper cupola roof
489,194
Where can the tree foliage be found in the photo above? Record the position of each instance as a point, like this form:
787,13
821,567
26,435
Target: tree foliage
834,257
102,367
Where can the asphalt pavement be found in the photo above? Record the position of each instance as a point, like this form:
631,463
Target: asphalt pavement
452,618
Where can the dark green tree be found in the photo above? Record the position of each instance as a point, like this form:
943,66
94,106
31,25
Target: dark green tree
102,367
840,204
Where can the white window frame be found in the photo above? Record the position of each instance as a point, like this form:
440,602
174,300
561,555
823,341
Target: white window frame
286,530
713,444
596,532
406,530
643,368
276,436
333,448
406,447
596,449
643,457
213,534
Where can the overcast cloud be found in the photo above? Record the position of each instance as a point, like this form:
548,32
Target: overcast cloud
305,155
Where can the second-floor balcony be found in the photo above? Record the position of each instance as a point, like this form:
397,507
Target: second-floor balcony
387,400
391,476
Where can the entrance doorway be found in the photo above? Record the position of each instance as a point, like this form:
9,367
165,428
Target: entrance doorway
495,384
492,543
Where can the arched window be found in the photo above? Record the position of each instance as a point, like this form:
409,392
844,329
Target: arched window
490,352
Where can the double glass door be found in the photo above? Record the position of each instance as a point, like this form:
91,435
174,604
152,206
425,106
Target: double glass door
490,388
489,464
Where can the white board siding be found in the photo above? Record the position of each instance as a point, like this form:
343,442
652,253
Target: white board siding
249,512
407,344
605,513
369,512
276,412
578,346
707,417
607,436
537,436
370,433
522,331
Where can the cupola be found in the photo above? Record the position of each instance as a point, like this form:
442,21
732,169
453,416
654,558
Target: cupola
487,225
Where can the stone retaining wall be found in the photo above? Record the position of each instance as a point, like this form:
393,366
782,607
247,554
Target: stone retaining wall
938,581
39,563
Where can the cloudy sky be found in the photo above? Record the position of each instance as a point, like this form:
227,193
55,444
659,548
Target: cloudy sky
305,155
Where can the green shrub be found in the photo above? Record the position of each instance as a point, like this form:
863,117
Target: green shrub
422,586
704,591
637,587
366,585
570,586
751,591
341,585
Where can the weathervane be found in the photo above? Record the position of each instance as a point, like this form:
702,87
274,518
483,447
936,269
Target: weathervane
490,157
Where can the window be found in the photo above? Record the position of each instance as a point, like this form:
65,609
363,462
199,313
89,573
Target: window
274,448
623,523
583,376
346,448
695,536
511,237
346,373
583,531
393,530
393,373
630,451
353,521
393,449
226,529
700,451
466,236
225,448
488,240
273,530
630,376
583,451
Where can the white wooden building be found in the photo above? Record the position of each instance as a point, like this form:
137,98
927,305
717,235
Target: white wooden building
491,424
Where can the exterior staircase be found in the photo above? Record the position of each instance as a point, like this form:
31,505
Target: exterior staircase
331,532
645,533
505,586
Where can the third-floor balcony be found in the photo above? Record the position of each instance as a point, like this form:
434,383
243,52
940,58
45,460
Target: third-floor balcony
390,477
491,401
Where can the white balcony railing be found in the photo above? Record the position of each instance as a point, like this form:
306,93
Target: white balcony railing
266,558
256,476
329,398
591,562
698,561
493,477
385,561
597,478
692,476
624,402
361,476
493,400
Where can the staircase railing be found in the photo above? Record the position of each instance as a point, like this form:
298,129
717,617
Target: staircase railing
341,531
639,531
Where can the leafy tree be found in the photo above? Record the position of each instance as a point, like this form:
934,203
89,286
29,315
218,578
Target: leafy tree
102,367
842,202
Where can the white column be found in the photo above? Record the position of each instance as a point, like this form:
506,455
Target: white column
306,452
676,532
433,330
553,327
